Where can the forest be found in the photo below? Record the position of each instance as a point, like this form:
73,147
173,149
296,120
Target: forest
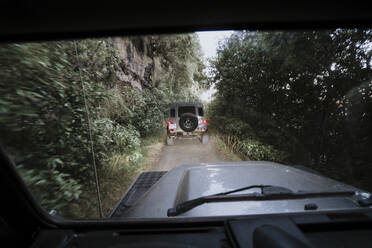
299,98
55,94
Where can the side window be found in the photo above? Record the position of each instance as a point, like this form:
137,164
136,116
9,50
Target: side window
172,112
201,111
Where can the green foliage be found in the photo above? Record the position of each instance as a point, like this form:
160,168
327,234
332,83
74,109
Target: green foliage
147,115
43,118
249,149
305,93
64,188
41,109
108,135
182,55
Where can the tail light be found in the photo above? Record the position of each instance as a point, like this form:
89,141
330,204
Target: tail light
168,123
205,121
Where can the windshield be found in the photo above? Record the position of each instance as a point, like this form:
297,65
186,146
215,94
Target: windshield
90,123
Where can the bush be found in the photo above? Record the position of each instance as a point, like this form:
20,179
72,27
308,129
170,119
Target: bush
249,149
62,188
231,126
111,138
44,125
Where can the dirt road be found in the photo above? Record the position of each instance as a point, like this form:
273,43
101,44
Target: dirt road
187,152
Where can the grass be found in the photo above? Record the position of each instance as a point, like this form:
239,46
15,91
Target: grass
226,150
120,180
113,182
116,179
152,152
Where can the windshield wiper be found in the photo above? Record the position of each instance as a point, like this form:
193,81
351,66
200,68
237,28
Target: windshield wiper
268,192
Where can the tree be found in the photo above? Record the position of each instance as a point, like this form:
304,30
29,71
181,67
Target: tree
43,119
294,89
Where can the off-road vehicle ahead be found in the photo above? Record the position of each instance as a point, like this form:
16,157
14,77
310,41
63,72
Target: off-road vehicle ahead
186,120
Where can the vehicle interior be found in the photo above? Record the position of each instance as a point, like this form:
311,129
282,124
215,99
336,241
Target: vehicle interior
23,223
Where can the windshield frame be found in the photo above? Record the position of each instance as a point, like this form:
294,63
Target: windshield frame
21,37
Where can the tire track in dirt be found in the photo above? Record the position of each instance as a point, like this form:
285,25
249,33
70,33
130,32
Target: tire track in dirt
187,151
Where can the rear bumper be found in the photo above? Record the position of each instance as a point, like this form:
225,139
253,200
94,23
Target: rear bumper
179,132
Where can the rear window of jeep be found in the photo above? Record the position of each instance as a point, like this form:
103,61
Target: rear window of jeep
182,110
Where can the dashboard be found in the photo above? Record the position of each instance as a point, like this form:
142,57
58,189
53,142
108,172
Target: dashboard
315,230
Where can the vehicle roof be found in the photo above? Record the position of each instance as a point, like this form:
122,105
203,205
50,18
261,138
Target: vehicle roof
178,104
76,19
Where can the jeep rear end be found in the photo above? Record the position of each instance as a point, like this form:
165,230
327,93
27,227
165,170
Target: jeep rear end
186,120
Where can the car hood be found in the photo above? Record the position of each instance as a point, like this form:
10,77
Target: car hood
188,182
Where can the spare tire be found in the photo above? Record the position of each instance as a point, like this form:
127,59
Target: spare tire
188,122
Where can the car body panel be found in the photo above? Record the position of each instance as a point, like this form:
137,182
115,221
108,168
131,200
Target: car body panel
188,182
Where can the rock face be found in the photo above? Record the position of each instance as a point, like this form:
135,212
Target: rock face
141,68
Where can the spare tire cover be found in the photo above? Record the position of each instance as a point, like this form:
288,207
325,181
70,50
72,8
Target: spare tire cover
188,122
